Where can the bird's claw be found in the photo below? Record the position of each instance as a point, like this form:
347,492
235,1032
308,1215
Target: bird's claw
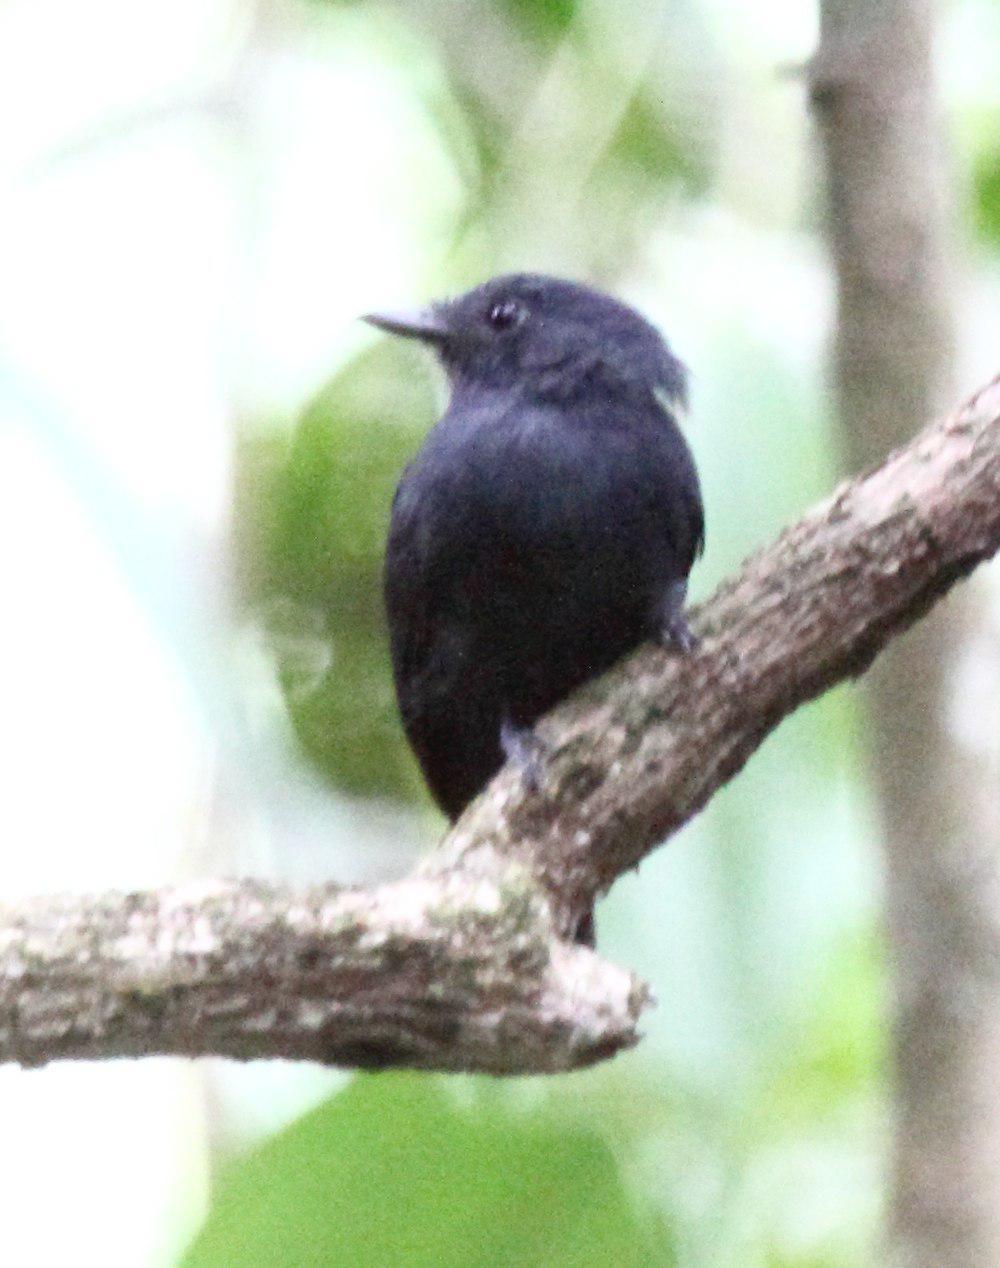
677,635
674,632
525,751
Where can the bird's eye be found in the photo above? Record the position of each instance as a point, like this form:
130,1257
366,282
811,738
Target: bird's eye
505,314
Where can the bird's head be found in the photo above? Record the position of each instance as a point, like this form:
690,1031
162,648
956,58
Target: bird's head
543,335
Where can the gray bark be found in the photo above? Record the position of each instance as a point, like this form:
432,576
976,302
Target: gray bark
451,973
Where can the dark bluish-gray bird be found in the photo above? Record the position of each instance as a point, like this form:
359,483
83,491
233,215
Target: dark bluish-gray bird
546,527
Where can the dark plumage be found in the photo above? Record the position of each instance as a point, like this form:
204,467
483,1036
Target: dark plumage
547,526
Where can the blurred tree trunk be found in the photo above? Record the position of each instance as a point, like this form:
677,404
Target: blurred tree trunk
889,228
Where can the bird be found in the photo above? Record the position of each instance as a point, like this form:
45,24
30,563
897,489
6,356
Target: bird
546,527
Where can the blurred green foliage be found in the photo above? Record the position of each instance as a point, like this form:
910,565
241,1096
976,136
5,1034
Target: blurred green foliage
313,518
623,1165
986,190
395,1171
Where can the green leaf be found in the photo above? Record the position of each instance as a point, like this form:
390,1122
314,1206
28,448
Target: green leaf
394,1171
650,139
541,19
986,194
313,518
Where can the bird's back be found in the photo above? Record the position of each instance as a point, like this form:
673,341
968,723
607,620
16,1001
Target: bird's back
529,545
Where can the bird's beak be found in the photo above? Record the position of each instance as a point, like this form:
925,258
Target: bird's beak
427,324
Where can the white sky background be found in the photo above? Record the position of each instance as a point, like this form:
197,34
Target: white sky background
197,201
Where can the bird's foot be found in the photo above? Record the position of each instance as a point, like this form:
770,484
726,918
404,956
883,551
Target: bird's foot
525,751
677,634
674,632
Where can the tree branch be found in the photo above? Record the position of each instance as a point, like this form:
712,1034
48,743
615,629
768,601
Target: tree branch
449,974
636,755
467,965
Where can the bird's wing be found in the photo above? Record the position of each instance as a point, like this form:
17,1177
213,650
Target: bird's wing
689,526
696,521
448,707
424,563
407,599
